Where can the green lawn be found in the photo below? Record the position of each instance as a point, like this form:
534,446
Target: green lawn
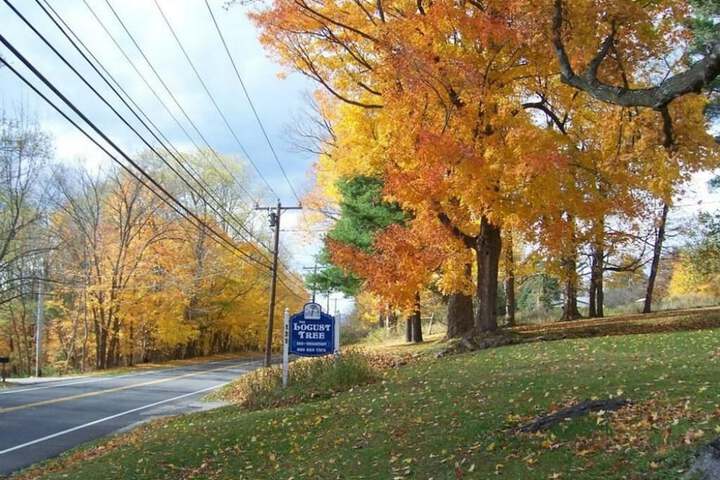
450,418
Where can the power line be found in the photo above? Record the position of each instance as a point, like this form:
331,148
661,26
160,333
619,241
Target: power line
167,198
79,41
167,89
242,226
97,130
206,190
210,95
164,84
104,100
250,101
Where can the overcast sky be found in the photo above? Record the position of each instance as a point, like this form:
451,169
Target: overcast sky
277,99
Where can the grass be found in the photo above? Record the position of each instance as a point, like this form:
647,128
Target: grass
452,418
308,379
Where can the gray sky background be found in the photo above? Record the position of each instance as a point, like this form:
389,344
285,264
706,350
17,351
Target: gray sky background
277,100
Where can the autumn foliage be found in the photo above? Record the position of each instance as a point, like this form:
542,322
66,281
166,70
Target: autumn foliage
459,109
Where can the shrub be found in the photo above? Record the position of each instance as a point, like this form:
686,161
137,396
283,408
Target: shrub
310,378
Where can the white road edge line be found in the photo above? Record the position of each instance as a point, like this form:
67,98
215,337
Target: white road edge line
102,379
105,419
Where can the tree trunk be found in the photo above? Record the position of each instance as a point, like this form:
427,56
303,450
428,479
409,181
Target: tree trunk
657,252
417,322
460,320
597,295
408,329
570,308
509,284
488,259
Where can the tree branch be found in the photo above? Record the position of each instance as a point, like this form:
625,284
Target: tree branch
544,107
693,80
468,240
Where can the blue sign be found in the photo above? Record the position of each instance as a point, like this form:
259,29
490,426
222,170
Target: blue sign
312,333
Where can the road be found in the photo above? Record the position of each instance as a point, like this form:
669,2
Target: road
40,421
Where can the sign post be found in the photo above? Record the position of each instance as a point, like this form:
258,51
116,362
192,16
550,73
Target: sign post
337,334
286,346
309,333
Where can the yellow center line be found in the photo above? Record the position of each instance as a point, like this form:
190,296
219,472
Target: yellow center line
110,390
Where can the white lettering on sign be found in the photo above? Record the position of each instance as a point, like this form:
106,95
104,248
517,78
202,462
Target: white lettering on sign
312,326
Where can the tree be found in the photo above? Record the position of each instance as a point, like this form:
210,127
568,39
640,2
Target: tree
362,213
470,147
666,36
25,151
697,268
399,266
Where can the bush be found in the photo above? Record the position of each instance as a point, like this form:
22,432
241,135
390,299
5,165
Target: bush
307,379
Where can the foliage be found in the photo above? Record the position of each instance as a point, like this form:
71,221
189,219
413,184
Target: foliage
312,378
697,269
129,280
460,111
362,213
539,292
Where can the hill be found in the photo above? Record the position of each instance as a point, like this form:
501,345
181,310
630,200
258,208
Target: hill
456,417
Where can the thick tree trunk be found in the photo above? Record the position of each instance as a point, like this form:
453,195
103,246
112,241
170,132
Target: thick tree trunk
417,336
570,308
509,284
657,252
460,320
488,259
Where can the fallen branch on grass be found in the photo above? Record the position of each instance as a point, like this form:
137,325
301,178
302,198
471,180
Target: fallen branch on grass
579,410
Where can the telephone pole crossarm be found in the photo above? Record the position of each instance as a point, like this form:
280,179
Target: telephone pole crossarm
314,270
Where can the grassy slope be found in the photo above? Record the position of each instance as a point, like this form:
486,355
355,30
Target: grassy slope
448,419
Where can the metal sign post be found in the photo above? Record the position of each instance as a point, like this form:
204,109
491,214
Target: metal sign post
337,335
286,346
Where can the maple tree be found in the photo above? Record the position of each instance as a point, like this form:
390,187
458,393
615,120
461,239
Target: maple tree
466,80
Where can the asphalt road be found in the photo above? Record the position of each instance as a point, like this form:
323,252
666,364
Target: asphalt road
43,420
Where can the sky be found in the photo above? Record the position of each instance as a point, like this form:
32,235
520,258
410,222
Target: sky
278,95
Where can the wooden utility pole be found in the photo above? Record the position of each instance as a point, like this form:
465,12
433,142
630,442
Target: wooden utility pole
275,224
39,320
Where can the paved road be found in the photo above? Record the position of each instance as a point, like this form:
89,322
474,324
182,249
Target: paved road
40,421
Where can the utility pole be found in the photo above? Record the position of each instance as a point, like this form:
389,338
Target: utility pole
40,314
314,285
275,224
